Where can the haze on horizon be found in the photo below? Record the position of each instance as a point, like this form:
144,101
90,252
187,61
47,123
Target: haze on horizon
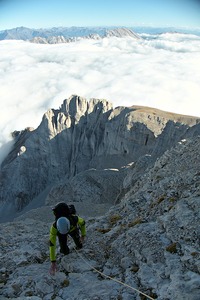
45,14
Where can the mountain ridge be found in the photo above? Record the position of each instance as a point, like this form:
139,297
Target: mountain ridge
86,134
119,33
25,33
66,34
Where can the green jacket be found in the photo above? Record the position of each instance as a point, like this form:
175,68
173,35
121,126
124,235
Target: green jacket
53,234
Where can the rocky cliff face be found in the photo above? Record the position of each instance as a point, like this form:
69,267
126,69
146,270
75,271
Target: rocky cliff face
148,242
156,234
82,135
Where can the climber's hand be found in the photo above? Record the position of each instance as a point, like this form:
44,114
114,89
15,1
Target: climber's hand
82,238
53,268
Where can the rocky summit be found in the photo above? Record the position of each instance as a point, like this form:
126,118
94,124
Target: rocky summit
133,174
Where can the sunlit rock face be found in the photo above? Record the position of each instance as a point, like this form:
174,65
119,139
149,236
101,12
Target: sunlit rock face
81,135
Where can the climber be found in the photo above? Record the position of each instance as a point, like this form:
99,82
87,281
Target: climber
66,223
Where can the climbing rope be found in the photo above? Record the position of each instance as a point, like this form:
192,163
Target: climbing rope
111,278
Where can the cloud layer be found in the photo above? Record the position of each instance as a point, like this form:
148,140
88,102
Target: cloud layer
159,71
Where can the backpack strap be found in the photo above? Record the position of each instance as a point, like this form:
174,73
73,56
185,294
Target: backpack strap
73,220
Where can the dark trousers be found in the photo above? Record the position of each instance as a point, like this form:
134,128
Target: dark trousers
62,238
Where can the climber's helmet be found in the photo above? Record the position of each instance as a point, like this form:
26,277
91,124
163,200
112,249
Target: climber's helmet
63,225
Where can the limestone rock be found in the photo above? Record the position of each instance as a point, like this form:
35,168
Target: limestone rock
149,241
81,135
91,186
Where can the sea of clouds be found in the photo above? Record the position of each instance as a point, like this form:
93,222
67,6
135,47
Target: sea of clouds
160,71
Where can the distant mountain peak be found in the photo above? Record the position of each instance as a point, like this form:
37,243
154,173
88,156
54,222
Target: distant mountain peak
64,34
118,32
122,32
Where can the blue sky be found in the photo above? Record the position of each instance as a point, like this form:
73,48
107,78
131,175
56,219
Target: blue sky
50,13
